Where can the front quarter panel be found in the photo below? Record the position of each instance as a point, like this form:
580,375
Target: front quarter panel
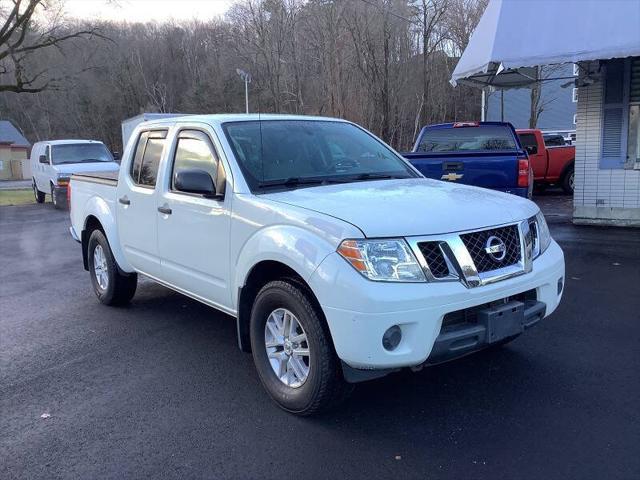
263,230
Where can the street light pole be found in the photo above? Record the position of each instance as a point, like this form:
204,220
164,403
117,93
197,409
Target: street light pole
246,77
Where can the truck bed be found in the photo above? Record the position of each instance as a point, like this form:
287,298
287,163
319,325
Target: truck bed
105,178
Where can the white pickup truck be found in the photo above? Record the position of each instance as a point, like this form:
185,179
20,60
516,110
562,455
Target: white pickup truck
338,260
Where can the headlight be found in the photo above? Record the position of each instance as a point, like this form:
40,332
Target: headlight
389,260
542,237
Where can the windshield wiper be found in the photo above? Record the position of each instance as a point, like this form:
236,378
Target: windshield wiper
291,182
86,160
374,176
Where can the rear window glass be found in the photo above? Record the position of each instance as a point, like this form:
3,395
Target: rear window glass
462,139
554,140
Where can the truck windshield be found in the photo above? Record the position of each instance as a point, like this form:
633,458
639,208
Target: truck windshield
293,153
462,139
80,153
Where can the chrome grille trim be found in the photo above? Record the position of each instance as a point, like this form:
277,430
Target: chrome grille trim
460,263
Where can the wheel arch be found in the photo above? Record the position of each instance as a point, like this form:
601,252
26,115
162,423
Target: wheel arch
99,215
260,274
569,166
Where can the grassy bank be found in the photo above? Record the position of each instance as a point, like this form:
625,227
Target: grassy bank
16,197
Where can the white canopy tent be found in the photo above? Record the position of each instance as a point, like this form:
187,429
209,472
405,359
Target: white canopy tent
513,37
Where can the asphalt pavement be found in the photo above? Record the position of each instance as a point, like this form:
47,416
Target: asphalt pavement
159,389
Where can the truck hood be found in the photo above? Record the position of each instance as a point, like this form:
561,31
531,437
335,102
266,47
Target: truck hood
410,207
87,167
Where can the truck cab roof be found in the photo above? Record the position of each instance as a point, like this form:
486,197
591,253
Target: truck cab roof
218,119
65,142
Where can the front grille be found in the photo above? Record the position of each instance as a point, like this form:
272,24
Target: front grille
476,242
435,259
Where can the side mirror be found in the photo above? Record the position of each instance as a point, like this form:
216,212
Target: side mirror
531,149
43,159
194,180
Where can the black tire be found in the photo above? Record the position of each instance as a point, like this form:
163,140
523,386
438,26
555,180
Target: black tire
325,386
567,181
37,193
120,288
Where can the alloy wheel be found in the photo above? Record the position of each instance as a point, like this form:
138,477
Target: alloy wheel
287,347
100,268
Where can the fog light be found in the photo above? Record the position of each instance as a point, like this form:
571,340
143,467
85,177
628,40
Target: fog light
560,285
391,338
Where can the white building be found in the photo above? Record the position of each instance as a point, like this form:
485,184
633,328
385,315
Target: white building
603,38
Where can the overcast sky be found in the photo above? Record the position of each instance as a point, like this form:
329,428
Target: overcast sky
146,10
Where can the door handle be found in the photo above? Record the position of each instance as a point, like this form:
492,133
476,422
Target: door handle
124,200
164,209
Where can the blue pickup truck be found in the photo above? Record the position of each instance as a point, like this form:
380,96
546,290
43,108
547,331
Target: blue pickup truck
484,154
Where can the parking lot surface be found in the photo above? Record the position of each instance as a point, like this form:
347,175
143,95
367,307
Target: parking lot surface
160,390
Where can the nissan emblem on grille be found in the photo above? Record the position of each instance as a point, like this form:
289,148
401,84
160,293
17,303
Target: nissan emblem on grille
493,248
496,248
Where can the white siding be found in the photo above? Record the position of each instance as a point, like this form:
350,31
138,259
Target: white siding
601,195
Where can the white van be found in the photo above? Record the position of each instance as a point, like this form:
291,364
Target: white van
53,162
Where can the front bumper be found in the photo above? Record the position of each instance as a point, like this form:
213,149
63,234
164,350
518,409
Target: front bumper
359,311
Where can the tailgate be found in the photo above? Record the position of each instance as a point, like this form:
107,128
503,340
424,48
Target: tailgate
490,170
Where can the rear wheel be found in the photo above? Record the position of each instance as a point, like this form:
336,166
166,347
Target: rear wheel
37,193
568,180
292,350
110,285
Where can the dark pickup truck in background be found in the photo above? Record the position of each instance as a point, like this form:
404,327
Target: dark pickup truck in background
484,154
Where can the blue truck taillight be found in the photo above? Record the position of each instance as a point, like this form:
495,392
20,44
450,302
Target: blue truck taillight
523,172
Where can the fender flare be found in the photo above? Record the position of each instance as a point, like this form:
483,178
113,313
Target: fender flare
297,248
99,208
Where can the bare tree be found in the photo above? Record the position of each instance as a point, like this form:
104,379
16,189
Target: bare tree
21,38
539,101
384,64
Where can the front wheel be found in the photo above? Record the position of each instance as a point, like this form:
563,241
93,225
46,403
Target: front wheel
292,350
110,285
37,193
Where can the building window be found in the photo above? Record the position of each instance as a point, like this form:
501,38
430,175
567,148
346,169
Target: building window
576,70
633,137
575,118
621,114
574,95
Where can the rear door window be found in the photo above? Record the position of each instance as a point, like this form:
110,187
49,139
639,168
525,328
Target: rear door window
471,139
144,168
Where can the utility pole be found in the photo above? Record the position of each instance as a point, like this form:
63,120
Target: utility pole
246,77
